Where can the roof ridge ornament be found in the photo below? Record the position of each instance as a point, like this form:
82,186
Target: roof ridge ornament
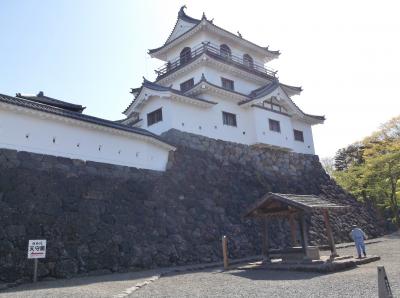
181,11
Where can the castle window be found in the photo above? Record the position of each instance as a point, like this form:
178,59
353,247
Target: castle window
248,61
154,117
229,119
298,135
225,51
187,85
227,84
185,55
274,125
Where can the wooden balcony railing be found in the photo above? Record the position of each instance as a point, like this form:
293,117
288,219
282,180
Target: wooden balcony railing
214,51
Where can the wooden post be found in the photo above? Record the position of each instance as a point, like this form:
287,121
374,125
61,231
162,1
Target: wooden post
265,239
225,251
304,238
384,290
329,233
35,267
292,223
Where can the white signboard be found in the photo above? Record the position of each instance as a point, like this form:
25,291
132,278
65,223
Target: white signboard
37,249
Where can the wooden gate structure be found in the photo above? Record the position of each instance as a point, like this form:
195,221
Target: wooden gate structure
293,207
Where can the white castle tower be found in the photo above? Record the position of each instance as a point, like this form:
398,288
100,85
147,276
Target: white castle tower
215,83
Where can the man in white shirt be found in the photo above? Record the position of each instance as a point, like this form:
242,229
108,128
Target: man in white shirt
358,236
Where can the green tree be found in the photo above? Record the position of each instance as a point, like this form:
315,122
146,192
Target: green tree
351,155
370,170
382,174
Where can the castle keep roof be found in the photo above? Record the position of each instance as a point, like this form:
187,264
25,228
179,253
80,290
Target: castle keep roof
196,24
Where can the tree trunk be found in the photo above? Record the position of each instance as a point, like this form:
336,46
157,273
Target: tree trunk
393,198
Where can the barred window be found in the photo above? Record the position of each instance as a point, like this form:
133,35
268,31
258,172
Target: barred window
229,119
154,117
227,84
274,125
298,135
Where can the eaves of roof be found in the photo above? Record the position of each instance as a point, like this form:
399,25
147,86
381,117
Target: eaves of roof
295,89
41,98
262,91
156,87
204,80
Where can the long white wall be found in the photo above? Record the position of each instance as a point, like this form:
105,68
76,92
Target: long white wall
252,123
34,133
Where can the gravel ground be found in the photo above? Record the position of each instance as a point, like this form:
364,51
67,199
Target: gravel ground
360,282
88,287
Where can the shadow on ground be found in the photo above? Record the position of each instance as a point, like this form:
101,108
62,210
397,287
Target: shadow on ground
83,280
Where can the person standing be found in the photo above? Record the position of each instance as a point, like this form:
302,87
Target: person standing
358,236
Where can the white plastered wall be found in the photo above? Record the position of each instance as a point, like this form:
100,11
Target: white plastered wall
252,123
308,145
205,121
33,132
284,138
214,75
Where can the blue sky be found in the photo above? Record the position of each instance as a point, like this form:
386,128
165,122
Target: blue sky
345,54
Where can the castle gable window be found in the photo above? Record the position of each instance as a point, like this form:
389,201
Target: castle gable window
274,125
227,84
154,117
298,135
187,85
225,51
229,119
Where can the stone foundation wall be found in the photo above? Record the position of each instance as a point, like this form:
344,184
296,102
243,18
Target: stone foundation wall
99,217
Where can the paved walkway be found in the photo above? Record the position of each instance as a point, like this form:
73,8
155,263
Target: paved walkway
360,282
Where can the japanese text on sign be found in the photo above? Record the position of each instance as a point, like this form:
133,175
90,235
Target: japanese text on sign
37,249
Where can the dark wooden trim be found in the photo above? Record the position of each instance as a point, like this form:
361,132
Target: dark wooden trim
293,232
271,110
329,233
304,234
265,239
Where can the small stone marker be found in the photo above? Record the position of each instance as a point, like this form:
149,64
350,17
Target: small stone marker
384,290
36,250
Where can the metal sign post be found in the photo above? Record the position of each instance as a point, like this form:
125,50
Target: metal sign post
36,250
35,270
384,290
